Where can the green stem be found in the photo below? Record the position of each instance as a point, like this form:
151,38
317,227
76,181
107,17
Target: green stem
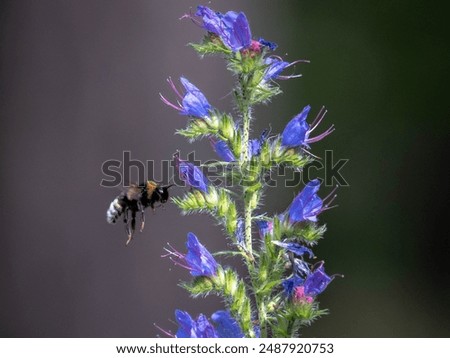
245,168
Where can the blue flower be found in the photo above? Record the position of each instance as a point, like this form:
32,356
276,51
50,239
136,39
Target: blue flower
212,21
189,328
317,281
226,326
271,45
297,131
274,67
193,102
191,174
198,259
223,150
256,144
295,248
265,228
307,204
232,28
290,284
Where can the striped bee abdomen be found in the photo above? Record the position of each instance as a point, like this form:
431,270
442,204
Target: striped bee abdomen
114,211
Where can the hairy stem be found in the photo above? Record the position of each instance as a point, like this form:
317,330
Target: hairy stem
245,164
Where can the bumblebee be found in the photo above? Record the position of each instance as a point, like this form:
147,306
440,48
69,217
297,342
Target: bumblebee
136,199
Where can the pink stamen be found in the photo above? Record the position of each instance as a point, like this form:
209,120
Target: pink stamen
281,77
337,275
331,193
321,136
318,118
191,17
166,102
279,58
288,77
174,88
327,205
174,252
168,333
177,263
312,155
297,61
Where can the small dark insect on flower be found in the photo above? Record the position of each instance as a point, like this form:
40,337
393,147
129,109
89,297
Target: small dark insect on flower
135,199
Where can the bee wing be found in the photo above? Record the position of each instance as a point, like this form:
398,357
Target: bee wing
134,192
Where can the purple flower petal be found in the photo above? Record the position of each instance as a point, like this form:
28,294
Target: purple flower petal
189,328
290,284
232,28
192,175
271,45
226,326
223,150
317,281
296,131
265,228
274,68
295,248
307,204
198,258
194,101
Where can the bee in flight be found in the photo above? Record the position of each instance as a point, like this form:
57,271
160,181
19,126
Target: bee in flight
134,199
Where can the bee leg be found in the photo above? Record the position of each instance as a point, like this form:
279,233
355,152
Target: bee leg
133,226
127,226
141,208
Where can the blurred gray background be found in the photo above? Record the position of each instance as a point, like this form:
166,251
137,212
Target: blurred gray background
79,84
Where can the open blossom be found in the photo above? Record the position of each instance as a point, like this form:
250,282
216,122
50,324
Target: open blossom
193,101
223,326
198,260
295,248
317,281
275,65
232,27
297,131
226,326
191,174
307,204
190,328
313,284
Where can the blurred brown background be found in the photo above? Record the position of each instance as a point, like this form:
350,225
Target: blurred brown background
79,84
